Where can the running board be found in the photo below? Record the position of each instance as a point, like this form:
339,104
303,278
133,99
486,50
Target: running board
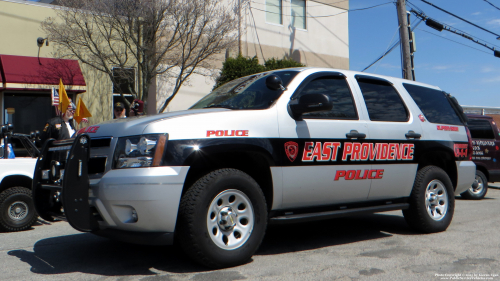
336,214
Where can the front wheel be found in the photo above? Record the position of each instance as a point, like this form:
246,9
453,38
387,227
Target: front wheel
222,218
480,191
17,211
432,201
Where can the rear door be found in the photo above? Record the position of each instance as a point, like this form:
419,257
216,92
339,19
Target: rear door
314,173
394,130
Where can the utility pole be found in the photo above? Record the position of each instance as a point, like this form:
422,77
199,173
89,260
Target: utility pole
404,39
413,47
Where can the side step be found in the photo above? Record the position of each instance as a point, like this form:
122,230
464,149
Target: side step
336,214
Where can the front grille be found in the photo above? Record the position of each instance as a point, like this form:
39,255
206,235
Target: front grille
97,165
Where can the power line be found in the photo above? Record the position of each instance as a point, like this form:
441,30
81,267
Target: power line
389,50
491,4
440,27
498,35
432,22
454,41
414,6
308,6
360,9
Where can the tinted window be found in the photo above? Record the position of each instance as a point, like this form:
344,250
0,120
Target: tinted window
340,94
249,92
124,80
480,129
434,105
383,102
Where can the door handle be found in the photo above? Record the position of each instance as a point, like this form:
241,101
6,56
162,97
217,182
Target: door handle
412,135
353,134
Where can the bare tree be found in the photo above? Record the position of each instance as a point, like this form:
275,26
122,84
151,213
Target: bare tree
157,37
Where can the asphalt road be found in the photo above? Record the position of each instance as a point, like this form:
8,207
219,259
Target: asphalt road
371,247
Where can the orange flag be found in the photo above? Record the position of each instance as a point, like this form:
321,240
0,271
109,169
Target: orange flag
63,98
81,111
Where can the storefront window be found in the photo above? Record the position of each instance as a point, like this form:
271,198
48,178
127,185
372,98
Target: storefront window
31,111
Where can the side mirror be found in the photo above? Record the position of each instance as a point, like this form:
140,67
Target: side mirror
309,103
274,82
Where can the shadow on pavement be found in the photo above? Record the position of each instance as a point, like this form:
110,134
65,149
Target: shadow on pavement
87,253
288,238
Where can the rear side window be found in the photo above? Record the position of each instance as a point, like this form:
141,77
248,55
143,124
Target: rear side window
480,129
382,101
340,94
434,104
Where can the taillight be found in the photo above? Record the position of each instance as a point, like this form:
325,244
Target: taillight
469,147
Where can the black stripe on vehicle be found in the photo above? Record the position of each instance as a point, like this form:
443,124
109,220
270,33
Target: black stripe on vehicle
305,152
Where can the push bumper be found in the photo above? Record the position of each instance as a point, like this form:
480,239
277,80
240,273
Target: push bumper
135,204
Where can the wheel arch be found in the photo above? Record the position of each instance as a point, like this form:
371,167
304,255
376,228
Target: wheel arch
251,159
16,180
444,159
483,169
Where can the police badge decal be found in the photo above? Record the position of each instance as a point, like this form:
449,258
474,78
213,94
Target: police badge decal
291,149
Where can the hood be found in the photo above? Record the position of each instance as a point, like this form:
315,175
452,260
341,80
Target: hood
135,125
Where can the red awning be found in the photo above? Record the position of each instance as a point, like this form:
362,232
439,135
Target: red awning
32,73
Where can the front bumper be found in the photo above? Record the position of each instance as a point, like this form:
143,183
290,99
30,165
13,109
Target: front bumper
133,204
466,171
139,199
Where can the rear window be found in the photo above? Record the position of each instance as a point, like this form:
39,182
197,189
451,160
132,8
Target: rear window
480,129
434,104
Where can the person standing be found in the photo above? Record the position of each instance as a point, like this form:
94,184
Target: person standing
59,127
136,108
119,110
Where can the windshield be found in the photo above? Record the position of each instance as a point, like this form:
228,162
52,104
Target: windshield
249,92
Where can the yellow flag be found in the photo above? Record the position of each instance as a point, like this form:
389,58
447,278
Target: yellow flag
81,111
63,98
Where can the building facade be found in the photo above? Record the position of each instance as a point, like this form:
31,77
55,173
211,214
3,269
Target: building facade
28,71
313,32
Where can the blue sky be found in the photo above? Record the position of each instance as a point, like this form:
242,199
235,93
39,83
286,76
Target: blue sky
467,70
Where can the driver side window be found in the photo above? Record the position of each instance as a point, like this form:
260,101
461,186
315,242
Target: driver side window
340,94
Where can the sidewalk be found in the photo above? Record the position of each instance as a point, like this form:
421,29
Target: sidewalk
495,185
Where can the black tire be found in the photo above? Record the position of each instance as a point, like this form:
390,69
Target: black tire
17,211
432,201
206,210
479,192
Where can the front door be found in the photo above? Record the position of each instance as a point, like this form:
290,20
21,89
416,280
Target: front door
314,172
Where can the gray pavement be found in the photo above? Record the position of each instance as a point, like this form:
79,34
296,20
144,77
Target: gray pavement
371,247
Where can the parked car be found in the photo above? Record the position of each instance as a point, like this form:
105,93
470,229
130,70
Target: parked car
486,155
278,147
17,211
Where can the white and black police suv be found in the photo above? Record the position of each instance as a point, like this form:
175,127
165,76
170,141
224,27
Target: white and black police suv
278,147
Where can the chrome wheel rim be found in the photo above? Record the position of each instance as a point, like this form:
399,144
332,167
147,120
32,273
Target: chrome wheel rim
18,211
436,200
480,185
230,219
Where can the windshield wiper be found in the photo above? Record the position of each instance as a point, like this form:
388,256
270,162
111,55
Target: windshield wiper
219,105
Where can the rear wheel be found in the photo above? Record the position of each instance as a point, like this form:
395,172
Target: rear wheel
480,191
17,211
222,219
432,201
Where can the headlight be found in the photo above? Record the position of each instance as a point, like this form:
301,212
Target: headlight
139,151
